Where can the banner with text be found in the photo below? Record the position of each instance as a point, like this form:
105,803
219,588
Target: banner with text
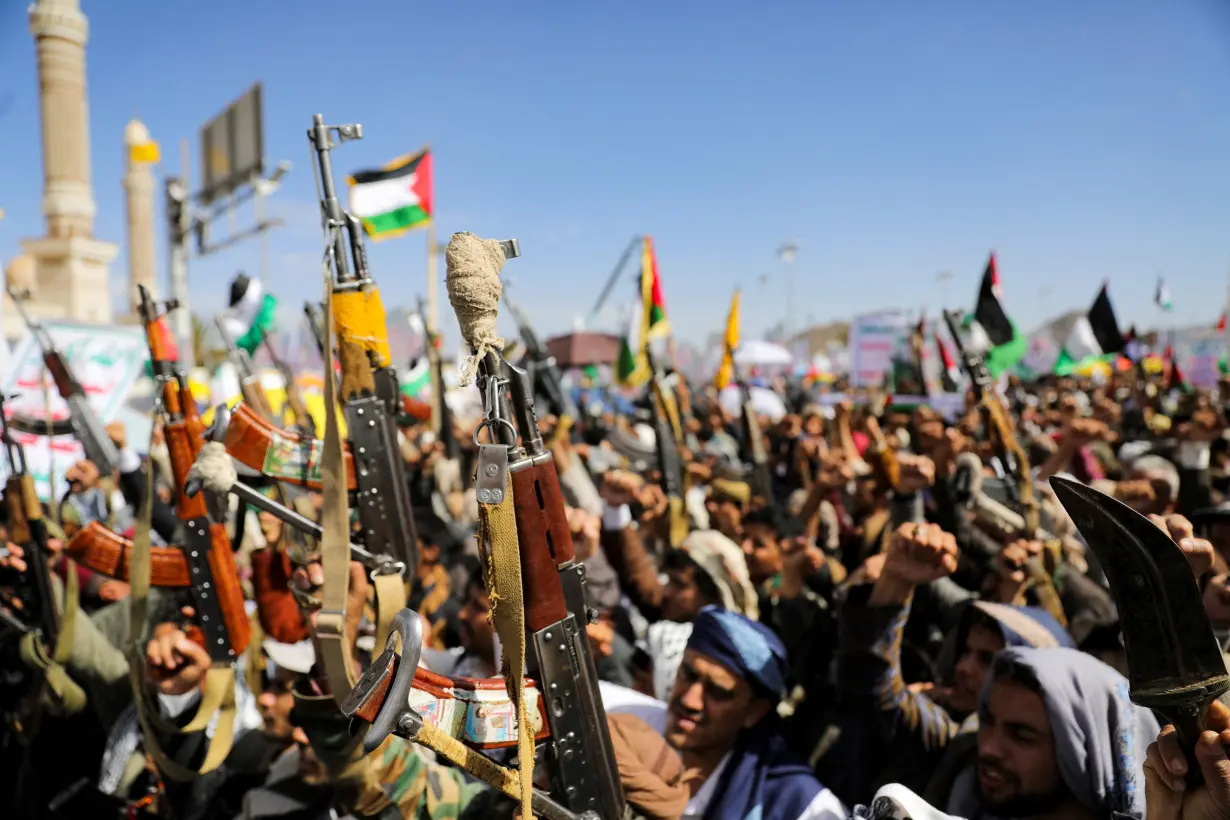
876,339
106,360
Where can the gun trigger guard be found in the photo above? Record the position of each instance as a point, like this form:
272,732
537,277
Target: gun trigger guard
492,473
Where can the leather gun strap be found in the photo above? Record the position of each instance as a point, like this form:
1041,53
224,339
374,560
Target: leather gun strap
68,617
335,656
497,537
389,592
218,696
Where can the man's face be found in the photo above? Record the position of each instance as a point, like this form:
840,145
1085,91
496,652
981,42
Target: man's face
477,633
981,645
1017,772
275,702
764,556
726,516
708,706
681,599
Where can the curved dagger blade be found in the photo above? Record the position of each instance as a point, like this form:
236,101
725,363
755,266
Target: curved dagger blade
1173,657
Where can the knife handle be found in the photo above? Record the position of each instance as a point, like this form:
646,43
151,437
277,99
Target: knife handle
1188,721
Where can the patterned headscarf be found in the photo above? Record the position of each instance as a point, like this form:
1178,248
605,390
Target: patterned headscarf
725,564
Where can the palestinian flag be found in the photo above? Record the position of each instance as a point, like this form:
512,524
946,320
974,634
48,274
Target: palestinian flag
992,333
416,384
950,374
250,314
656,324
395,199
989,313
1093,337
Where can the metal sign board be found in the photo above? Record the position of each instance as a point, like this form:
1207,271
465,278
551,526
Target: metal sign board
232,147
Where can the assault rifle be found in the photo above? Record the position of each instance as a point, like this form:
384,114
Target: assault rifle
27,529
294,398
452,448
216,594
1008,450
584,778
369,391
315,320
667,437
544,372
753,439
250,386
83,422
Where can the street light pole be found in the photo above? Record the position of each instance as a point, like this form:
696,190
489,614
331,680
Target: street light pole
786,254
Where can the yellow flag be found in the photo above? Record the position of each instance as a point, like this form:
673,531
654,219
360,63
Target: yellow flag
726,373
145,152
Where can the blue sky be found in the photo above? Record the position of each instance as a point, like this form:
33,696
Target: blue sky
892,140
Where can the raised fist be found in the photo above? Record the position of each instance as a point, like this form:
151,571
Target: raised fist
1198,551
920,553
917,473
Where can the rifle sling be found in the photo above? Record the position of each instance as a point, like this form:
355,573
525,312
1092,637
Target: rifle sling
61,695
218,696
497,538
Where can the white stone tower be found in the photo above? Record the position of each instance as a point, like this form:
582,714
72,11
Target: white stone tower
139,197
71,265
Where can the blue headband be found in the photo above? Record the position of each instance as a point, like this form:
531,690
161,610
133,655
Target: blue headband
749,649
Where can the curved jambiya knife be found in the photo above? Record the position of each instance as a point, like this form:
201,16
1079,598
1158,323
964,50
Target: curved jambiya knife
1175,665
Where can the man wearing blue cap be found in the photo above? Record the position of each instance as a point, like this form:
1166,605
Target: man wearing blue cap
722,719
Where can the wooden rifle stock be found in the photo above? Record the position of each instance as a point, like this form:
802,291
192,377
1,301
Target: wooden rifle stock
544,541
256,443
26,528
99,549
185,437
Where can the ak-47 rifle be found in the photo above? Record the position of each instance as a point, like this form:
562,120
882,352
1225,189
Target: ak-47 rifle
667,436
753,439
1008,450
294,397
584,778
83,423
27,529
452,447
544,372
369,391
250,386
217,597
315,319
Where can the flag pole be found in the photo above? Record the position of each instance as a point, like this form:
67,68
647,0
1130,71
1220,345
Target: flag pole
432,286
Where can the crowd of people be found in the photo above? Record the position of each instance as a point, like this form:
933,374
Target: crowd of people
859,638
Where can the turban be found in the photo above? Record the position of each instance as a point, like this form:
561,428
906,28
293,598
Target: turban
739,492
723,561
749,649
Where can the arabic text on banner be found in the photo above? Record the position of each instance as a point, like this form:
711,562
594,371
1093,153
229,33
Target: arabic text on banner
106,360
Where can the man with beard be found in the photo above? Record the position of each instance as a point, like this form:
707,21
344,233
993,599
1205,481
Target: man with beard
1058,739
721,717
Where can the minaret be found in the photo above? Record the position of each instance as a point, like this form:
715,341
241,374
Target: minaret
139,197
71,264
